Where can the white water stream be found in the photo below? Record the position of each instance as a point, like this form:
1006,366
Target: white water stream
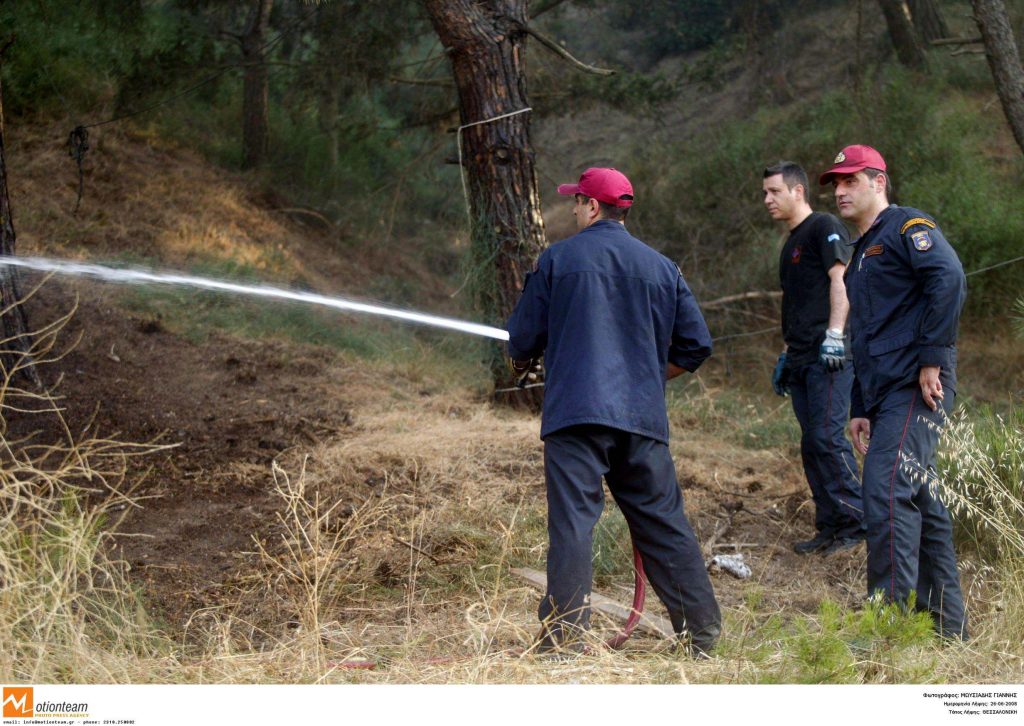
140,276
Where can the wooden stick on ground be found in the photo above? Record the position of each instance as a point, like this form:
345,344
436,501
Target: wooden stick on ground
650,624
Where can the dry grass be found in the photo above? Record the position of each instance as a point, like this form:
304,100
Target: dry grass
451,497
393,545
150,200
67,611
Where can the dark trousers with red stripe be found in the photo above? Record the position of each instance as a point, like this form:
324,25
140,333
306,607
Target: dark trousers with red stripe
821,402
909,532
642,479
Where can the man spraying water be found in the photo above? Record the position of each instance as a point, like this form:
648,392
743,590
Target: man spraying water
614,320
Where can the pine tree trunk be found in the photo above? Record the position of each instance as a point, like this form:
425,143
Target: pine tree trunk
1004,60
928,20
904,40
485,41
16,344
255,114
329,26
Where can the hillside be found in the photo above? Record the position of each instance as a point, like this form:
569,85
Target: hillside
425,494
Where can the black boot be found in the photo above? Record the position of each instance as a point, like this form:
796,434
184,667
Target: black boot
821,541
698,644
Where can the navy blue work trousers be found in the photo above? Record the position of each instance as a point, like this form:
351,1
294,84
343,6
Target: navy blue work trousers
642,479
909,533
821,402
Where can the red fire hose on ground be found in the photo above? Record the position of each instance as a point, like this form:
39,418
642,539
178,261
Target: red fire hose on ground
639,595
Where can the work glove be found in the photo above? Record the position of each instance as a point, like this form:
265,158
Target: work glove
780,376
832,353
526,371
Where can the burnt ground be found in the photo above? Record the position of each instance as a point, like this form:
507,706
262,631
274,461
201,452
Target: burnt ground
229,406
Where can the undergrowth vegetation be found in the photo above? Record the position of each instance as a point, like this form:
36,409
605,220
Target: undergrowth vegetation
414,577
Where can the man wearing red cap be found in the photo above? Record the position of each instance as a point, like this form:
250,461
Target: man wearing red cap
813,368
906,288
614,319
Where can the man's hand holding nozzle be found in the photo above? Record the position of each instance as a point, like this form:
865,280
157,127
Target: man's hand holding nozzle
526,371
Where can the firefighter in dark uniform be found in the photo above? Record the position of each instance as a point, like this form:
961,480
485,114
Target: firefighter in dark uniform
906,288
813,369
613,319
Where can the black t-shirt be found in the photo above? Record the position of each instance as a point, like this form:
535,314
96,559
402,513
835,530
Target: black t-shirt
813,247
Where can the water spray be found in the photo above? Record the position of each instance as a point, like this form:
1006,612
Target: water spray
139,276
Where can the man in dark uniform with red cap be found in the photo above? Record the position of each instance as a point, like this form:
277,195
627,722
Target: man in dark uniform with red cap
906,288
614,319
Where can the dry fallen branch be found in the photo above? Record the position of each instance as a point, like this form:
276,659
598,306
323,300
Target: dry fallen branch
753,295
561,52
957,41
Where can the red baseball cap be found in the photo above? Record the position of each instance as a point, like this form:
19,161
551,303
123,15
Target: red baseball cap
853,159
605,185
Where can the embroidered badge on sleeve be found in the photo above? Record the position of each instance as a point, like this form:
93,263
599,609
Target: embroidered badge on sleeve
922,240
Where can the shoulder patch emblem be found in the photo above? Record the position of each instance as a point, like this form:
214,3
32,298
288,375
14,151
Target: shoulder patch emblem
922,241
916,220
840,158
874,250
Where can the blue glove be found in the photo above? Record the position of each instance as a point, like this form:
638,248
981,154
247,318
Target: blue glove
832,353
780,376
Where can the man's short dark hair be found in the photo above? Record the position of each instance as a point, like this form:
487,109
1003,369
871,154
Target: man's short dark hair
609,211
890,192
792,174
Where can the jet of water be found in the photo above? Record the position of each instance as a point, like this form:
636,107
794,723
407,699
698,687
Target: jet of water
140,276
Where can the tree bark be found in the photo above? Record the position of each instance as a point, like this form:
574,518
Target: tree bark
485,40
255,114
17,344
1004,60
928,20
904,40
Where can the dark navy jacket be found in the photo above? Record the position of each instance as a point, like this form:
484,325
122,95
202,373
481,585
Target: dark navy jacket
608,313
906,288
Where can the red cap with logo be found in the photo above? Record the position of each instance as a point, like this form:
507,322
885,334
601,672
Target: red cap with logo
605,185
853,159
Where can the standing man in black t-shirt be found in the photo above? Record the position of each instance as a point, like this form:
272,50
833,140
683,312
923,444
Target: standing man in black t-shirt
814,368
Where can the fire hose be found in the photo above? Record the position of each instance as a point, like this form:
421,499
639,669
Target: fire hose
639,595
